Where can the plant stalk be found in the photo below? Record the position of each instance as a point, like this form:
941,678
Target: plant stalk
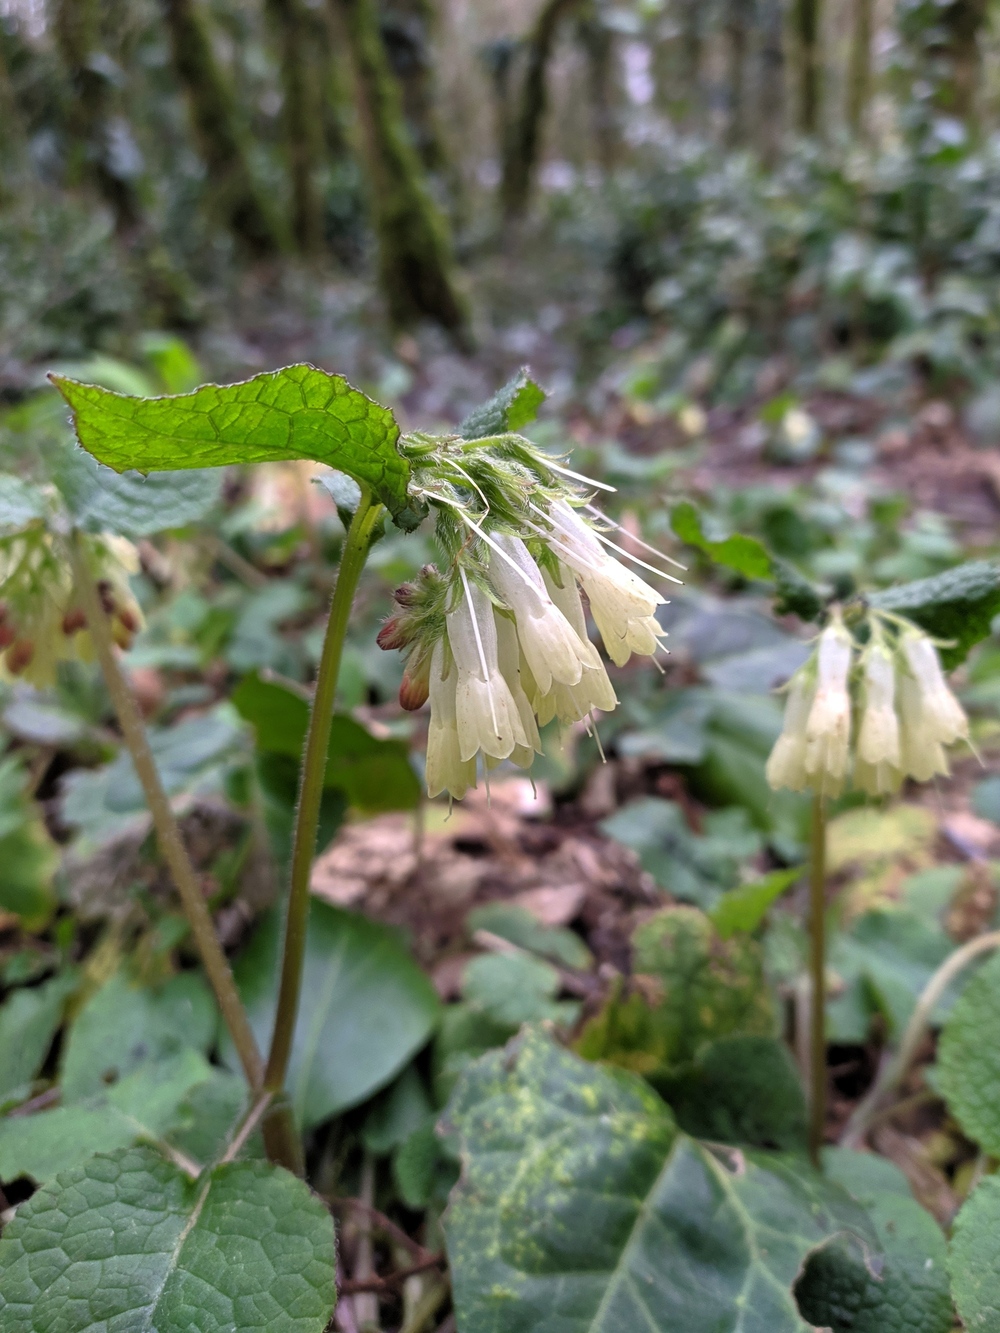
167,832
280,1135
817,974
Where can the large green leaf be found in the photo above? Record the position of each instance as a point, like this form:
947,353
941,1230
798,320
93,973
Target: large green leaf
124,1025
957,606
375,775
127,1242
510,408
131,503
27,854
29,1019
907,1290
144,1105
974,1258
968,1067
298,412
581,1208
366,1008
20,502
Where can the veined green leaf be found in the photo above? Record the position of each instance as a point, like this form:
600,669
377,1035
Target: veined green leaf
974,1258
510,408
29,1019
968,1067
580,1207
297,412
958,605
126,1241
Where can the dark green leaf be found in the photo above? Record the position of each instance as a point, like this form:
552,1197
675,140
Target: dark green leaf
297,412
123,1025
742,910
581,1208
135,505
958,605
144,1105
974,1258
126,1241
509,409
29,1019
396,1113
968,1068
745,555
209,1116
375,775
745,1090
512,922
904,1290
27,853
512,989
366,1009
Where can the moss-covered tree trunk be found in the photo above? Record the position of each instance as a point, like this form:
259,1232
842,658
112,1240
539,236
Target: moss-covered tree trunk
807,17
737,28
217,131
302,120
692,53
598,42
859,72
770,107
523,141
415,262
408,28
962,23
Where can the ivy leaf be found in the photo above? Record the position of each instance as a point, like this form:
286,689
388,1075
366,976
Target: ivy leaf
145,1105
904,1289
29,1019
127,1241
509,409
366,1009
297,412
968,1068
974,1258
580,1207
122,1026
958,605
375,775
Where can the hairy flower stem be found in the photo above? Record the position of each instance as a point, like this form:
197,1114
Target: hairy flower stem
280,1136
167,833
817,974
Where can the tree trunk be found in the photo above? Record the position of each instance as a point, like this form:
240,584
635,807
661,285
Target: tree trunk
962,23
598,42
521,149
407,28
416,268
692,44
737,27
807,19
217,131
770,118
859,74
302,117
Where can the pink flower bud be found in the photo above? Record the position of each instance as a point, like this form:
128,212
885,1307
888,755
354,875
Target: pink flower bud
393,634
416,684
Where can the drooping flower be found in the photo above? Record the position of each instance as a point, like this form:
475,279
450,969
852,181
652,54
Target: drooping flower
828,730
573,703
487,716
447,771
878,766
931,716
786,765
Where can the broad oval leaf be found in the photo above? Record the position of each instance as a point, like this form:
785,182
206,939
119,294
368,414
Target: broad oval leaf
29,1019
581,1208
366,1008
968,1067
957,606
974,1258
126,1241
297,412
131,503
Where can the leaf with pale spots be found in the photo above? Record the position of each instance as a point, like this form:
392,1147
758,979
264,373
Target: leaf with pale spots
581,1207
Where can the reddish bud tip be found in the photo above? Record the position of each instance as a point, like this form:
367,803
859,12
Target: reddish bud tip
392,635
128,619
405,594
415,688
7,636
19,656
73,621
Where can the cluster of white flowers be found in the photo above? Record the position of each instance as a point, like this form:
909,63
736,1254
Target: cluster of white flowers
897,725
41,620
500,646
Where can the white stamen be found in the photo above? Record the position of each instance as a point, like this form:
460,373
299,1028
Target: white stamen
603,537
578,476
638,540
494,546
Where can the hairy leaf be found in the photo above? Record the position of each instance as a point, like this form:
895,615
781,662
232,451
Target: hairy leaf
745,555
581,1208
968,1067
509,409
974,1258
126,1241
366,1009
958,606
297,412
145,1105
131,503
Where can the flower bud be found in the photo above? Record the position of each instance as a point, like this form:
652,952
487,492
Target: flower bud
19,656
73,621
415,686
828,730
786,765
878,769
394,634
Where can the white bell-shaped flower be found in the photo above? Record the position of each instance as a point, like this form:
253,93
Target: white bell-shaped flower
828,730
942,714
786,764
446,769
509,659
571,703
487,715
878,765
621,603
552,649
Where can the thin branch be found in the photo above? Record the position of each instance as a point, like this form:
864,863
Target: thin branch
382,1223
167,832
893,1072
250,1123
351,1286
